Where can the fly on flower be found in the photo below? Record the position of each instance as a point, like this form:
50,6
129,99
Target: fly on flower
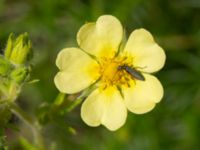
109,70
133,72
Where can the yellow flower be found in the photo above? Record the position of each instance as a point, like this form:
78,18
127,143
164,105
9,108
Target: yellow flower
102,58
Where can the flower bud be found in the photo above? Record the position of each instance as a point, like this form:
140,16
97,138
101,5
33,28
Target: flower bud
20,74
5,66
18,50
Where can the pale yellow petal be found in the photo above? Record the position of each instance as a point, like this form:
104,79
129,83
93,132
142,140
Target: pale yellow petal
147,55
77,70
104,107
92,109
101,38
142,96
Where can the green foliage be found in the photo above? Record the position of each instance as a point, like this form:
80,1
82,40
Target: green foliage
26,145
2,140
14,72
4,115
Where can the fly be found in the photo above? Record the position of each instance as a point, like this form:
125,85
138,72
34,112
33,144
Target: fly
133,72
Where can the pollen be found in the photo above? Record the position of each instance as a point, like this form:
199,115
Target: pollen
111,75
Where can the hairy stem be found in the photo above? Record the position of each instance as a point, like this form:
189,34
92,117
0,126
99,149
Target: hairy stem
80,98
27,119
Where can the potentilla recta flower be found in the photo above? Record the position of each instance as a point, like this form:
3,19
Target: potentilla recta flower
121,73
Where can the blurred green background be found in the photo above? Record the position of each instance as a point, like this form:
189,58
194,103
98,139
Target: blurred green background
174,124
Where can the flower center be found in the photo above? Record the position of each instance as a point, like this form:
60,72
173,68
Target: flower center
111,74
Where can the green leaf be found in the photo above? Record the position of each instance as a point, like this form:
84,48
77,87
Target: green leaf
26,145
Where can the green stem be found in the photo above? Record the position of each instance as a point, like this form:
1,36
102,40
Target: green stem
3,145
75,103
30,122
59,99
78,100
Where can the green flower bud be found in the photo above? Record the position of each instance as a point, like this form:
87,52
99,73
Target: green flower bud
20,74
4,88
5,66
9,89
18,50
9,46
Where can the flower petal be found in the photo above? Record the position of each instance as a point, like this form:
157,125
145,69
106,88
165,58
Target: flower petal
104,107
101,38
142,96
77,70
147,55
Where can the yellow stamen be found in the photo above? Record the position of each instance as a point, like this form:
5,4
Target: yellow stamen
111,75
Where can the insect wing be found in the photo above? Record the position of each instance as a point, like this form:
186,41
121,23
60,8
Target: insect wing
133,72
